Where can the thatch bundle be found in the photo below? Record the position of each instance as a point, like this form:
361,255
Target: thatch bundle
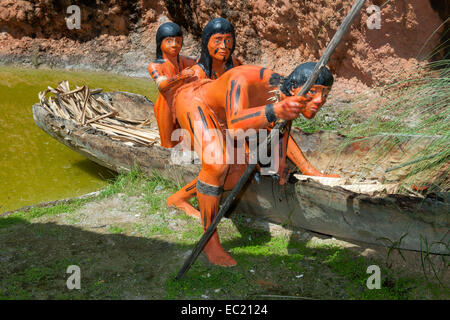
90,108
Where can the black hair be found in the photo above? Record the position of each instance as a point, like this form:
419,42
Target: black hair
168,29
217,25
300,75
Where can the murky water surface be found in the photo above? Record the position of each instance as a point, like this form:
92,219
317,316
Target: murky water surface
33,166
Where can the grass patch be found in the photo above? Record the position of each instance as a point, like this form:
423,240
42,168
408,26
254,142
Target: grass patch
136,182
36,212
9,221
26,284
147,230
119,266
154,189
159,230
124,182
327,119
142,261
115,229
285,266
193,233
156,203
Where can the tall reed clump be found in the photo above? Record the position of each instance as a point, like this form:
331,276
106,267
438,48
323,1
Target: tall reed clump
415,107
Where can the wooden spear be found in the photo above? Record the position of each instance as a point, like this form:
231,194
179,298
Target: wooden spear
280,125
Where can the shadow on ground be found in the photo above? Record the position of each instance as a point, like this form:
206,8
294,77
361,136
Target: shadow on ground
34,258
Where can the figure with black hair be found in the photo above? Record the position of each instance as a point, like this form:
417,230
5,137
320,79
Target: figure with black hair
289,147
170,70
218,43
245,97
216,57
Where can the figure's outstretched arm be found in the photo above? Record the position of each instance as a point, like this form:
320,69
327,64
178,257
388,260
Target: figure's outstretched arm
165,83
239,116
199,73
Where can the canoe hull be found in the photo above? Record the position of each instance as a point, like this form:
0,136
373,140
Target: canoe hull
307,204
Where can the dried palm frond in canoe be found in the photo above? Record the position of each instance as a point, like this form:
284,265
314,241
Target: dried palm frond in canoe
119,131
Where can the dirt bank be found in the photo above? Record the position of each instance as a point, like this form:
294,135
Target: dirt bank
118,35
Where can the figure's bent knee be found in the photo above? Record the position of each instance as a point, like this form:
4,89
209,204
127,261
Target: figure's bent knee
213,174
215,169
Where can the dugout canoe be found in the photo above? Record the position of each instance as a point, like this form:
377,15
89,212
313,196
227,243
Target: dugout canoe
356,207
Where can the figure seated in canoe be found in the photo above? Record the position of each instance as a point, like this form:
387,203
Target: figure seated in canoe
169,71
218,44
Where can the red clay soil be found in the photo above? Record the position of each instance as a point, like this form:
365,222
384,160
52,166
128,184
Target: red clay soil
118,35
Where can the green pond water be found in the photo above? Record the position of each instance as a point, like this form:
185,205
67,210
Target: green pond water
33,166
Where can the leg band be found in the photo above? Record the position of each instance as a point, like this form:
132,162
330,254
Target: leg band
208,189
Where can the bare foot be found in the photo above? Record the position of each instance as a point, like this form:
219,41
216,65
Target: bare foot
216,254
223,260
183,206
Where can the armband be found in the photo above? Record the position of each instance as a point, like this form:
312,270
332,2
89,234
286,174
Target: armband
270,113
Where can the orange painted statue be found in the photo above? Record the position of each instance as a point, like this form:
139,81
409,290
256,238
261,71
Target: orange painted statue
209,110
169,72
218,43
216,57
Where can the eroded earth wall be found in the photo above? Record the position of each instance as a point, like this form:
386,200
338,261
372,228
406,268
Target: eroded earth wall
118,35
